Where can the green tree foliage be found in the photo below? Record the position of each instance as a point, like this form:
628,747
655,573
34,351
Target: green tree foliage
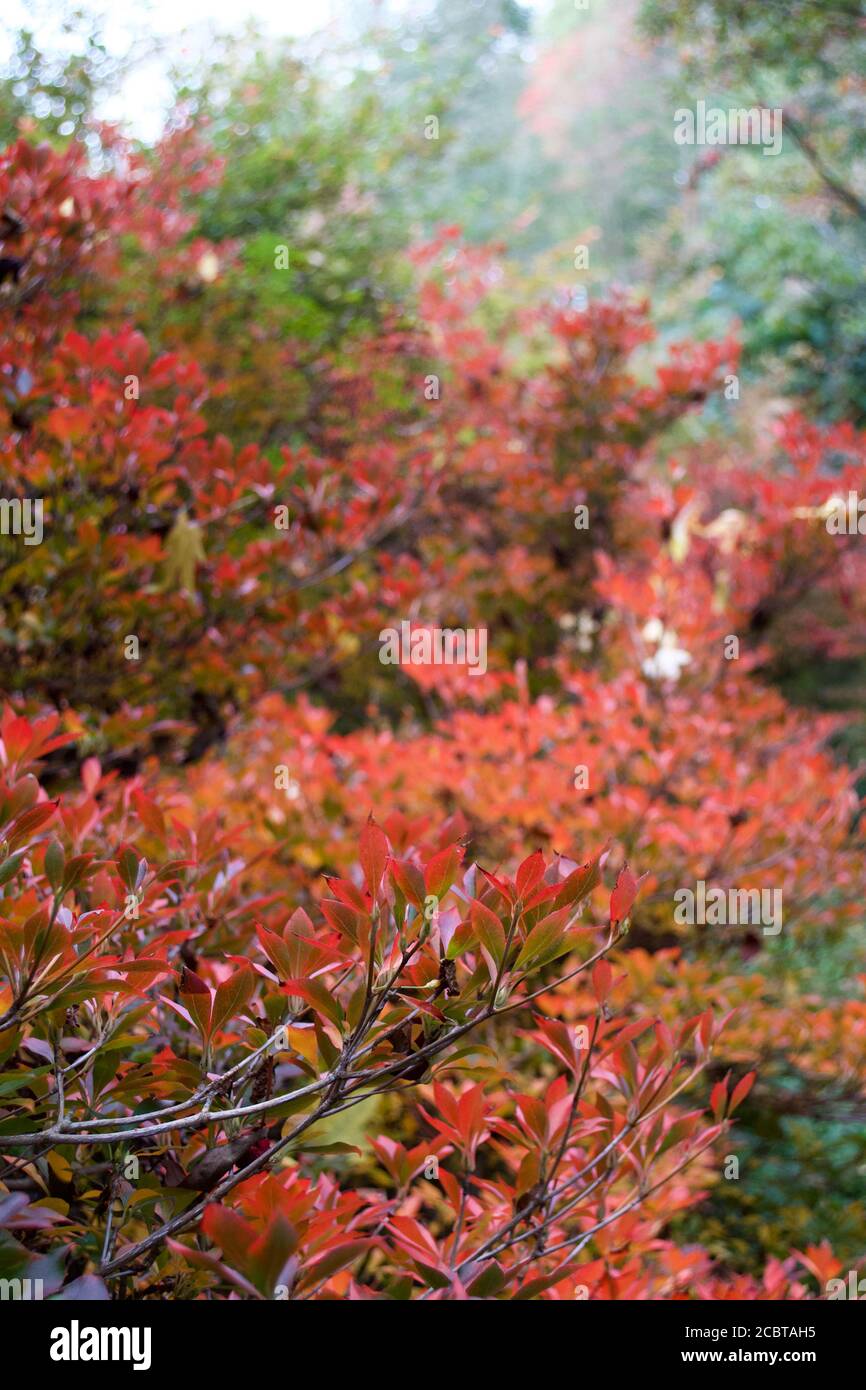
778,242
54,88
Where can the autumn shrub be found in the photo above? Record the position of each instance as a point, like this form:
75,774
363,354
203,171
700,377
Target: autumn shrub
324,978
417,961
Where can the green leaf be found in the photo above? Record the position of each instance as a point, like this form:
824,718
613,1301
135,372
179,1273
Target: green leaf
488,930
11,867
546,941
55,862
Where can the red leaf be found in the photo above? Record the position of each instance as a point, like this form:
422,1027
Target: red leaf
602,976
488,930
442,870
741,1090
316,994
232,996
531,871
29,822
336,1259
149,814
581,881
624,894
373,855
718,1098
230,1232
198,1000
410,881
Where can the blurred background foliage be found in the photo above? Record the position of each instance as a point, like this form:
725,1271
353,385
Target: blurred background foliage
540,128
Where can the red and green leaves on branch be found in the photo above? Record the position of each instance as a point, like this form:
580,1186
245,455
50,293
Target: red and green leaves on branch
321,1011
